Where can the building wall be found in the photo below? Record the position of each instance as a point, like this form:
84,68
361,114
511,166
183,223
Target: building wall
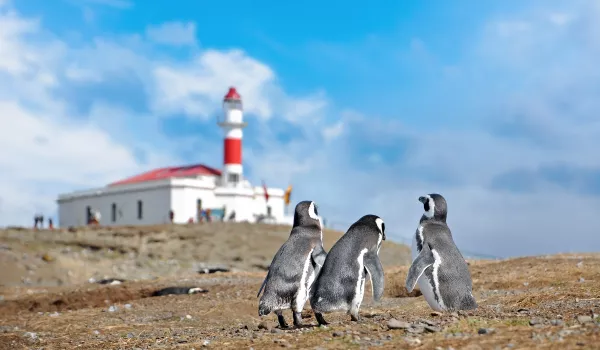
184,201
156,203
159,197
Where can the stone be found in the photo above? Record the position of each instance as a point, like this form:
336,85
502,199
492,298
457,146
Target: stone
416,330
337,334
584,319
483,331
557,322
433,329
413,341
427,322
395,324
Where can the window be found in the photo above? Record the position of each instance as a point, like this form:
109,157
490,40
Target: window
113,212
268,210
234,178
139,205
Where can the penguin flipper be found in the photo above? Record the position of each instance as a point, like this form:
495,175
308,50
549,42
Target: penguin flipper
375,271
421,262
262,286
318,257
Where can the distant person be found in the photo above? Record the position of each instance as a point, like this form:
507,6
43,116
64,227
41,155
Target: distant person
208,217
50,224
42,221
223,213
171,215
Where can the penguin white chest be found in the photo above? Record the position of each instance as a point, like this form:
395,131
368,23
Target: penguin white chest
431,287
305,283
359,289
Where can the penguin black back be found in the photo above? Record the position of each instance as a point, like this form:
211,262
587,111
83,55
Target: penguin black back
340,285
438,266
294,267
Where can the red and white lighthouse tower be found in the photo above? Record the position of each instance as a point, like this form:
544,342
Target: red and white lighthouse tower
232,125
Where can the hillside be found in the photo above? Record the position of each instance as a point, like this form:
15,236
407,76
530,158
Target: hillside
64,257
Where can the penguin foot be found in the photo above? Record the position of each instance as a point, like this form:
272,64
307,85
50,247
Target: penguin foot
298,319
282,323
320,319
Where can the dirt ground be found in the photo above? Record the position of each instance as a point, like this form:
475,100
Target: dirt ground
549,302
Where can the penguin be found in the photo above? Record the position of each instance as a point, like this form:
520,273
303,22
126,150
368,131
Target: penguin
295,266
438,266
341,284
178,291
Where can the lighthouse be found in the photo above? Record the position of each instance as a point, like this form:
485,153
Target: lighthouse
232,124
184,193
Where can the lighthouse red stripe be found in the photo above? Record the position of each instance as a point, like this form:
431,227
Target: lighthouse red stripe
233,151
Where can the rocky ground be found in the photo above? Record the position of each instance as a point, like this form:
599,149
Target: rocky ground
549,302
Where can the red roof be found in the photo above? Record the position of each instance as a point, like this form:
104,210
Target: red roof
170,172
232,94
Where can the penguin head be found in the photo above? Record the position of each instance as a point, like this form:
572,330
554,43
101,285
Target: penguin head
434,207
307,214
374,221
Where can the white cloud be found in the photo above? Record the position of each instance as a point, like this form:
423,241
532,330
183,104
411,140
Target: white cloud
197,88
46,148
173,33
334,131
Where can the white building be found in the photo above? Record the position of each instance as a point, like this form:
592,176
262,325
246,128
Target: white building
149,198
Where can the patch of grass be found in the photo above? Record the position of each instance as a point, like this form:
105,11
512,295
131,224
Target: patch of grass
474,322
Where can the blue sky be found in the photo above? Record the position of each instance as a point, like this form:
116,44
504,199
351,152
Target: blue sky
361,108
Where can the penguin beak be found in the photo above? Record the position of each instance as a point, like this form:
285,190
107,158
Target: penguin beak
422,199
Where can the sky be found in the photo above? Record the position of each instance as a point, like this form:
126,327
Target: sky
494,105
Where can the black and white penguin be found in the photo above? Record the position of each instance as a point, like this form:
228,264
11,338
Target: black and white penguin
295,266
438,266
341,284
